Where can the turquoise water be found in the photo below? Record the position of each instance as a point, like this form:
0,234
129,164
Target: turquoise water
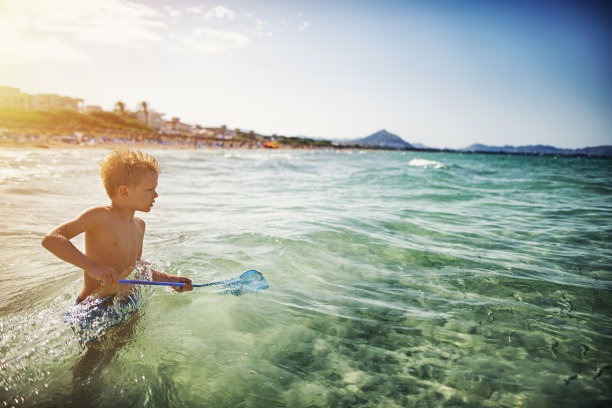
396,280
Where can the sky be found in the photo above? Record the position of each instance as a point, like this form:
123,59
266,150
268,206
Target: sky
443,73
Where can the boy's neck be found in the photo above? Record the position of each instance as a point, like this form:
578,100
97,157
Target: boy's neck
124,212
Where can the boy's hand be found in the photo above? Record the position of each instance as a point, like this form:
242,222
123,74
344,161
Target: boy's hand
106,274
186,284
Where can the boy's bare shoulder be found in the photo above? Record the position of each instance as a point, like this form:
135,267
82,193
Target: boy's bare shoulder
140,222
89,220
96,212
94,216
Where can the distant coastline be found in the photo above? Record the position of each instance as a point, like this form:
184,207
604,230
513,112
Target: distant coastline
68,128
386,140
65,128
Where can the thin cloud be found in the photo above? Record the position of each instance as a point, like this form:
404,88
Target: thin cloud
220,12
50,28
261,27
208,40
172,12
195,10
17,49
59,29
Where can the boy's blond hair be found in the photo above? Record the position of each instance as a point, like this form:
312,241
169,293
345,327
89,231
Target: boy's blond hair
126,167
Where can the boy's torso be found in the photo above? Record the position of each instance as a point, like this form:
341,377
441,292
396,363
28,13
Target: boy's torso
116,242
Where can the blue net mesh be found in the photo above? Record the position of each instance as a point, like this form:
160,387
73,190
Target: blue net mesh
249,282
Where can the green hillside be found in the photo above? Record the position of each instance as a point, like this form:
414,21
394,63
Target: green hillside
65,119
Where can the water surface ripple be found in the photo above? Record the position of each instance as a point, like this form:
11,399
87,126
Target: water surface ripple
396,279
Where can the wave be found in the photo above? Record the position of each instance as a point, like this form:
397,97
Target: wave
426,163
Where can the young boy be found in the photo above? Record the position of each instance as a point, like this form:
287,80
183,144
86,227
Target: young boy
113,236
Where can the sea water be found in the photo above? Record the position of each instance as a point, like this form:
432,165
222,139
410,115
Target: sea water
397,279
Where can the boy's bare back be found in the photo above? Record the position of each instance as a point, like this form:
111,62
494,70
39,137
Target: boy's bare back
113,235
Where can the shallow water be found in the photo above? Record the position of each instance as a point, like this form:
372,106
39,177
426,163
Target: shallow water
396,279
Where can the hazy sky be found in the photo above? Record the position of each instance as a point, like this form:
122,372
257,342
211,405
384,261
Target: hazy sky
442,73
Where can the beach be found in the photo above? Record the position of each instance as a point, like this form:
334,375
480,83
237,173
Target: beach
108,140
398,279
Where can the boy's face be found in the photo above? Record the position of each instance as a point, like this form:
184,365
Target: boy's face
142,196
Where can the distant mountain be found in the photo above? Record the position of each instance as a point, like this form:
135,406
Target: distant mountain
604,151
420,146
383,139
540,149
477,147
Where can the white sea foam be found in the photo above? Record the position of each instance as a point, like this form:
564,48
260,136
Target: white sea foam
425,163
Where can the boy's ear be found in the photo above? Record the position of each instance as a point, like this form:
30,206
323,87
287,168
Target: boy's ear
122,191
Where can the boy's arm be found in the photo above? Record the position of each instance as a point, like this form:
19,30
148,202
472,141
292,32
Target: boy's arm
58,243
164,277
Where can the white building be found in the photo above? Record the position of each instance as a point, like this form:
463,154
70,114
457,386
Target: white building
93,108
13,98
155,119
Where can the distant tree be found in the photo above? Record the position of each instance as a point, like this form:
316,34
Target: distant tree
120,106
145,109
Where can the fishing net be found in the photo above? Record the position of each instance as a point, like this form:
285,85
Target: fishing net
249,282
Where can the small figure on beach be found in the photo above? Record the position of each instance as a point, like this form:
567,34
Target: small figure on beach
113,235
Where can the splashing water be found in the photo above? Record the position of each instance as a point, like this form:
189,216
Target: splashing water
54,338
91,318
